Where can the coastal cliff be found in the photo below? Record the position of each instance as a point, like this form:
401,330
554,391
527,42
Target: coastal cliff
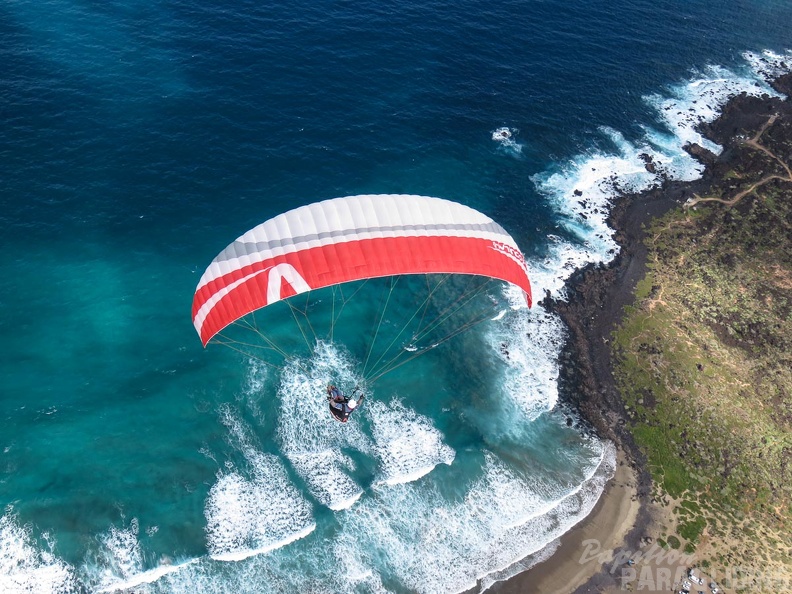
679,352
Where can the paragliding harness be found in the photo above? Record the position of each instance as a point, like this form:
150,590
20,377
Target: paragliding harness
341,406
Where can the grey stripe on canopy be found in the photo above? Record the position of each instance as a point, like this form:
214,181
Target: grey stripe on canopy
241,248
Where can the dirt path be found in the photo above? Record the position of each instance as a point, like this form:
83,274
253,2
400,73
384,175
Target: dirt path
753,143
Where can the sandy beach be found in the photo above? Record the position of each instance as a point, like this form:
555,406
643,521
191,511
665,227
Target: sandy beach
590,546
595,555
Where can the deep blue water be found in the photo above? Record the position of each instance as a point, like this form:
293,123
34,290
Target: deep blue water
138,139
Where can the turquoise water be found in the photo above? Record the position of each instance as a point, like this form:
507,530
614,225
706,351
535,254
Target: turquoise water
139,139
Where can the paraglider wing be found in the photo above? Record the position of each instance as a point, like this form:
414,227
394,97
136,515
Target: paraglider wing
347,239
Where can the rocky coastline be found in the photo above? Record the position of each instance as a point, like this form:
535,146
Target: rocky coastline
599,294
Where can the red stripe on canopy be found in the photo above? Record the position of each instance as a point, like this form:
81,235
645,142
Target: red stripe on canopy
355,260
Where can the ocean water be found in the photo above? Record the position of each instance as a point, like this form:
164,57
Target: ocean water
140,138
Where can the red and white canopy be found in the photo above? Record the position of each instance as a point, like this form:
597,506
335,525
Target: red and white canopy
346,239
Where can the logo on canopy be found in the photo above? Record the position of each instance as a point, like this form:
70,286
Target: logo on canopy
284,272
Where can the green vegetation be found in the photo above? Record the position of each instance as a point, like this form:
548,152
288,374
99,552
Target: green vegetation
690,531
705,361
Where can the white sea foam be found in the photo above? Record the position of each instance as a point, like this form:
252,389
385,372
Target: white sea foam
528,342
254,512
25,567
247,517
567,511
119,564
146,577
768,64
310,438
504,136
120,557
318,566
433,545
324,473
582,193
702,99
502,133
520,566
549,274
405,443
256,377
255,386
417,536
